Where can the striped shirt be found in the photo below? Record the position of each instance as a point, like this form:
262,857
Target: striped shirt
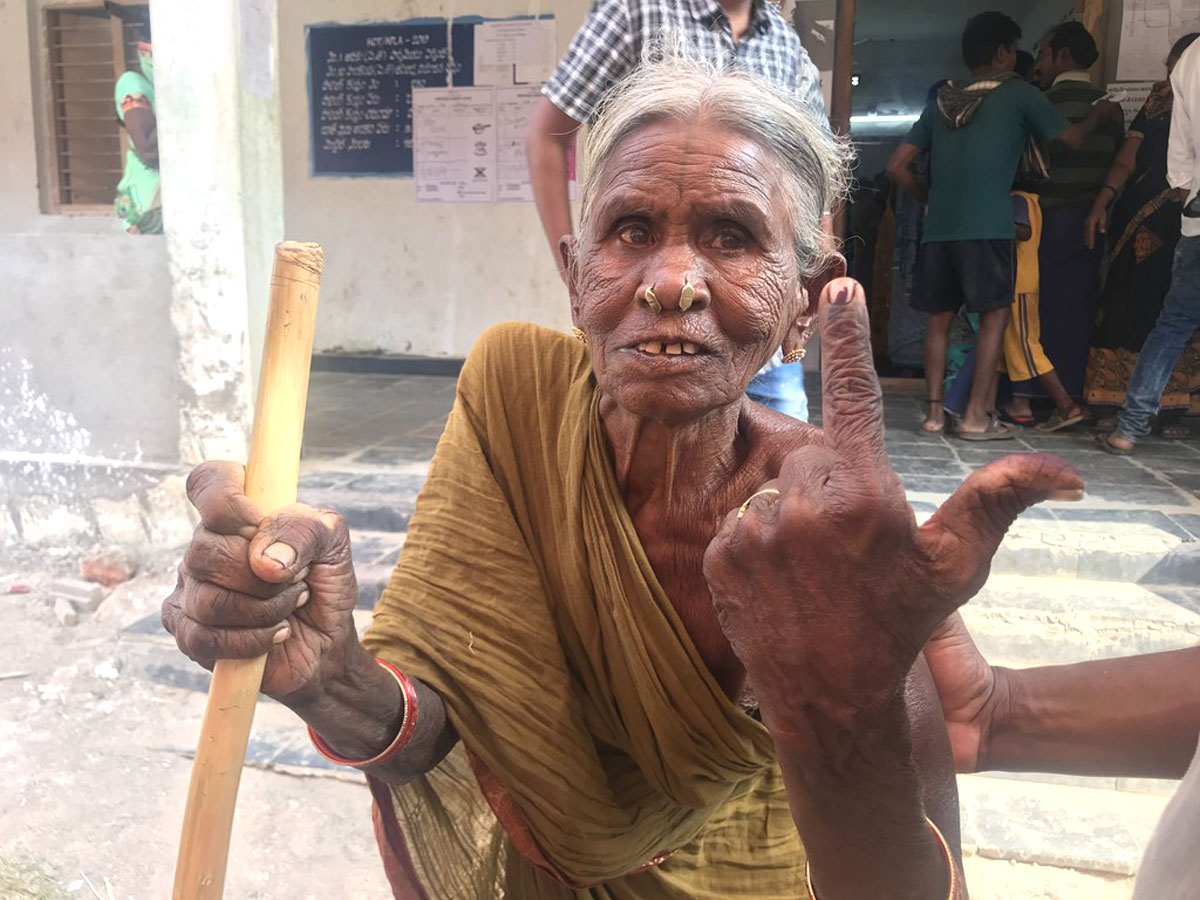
609,45
1076,175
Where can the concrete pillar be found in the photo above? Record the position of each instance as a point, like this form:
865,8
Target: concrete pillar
220,147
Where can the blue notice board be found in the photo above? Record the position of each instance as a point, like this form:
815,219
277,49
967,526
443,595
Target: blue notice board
360,81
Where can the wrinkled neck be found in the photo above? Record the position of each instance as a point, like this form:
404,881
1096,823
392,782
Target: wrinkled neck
671,464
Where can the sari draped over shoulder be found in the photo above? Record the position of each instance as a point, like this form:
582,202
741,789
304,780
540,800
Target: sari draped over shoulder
598,758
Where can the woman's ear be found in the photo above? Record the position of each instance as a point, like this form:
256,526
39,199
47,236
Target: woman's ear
835,267
568,254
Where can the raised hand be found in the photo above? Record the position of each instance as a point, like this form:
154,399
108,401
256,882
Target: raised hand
829,590
250,584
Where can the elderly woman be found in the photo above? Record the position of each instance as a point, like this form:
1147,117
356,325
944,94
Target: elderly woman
646,638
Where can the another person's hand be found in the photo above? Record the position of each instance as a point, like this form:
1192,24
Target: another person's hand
968,689
1096,225
281,585
829,590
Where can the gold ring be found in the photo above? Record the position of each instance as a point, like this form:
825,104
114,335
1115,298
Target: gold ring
746,505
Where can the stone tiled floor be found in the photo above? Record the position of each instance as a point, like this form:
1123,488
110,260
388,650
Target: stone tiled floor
388,424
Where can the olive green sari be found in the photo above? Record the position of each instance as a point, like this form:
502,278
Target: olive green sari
598,757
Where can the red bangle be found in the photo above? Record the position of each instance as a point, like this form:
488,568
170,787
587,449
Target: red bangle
408,724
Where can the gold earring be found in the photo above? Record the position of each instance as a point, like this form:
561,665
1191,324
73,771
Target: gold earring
686,296
652,300
579,335
806,330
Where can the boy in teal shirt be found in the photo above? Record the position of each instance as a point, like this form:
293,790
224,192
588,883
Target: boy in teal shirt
977,132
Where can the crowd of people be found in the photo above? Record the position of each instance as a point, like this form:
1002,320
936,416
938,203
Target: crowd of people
649,638
1038,244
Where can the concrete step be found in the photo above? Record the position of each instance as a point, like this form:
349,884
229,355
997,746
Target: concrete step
1056,824
1023,620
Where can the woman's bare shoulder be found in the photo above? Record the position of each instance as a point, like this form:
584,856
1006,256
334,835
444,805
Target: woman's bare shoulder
773,435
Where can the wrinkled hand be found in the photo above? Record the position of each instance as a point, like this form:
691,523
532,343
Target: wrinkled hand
829,591
1096,224
281,585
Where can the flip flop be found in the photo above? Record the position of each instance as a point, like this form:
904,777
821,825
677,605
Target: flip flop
1102,440
1174,432
995,431
1057,422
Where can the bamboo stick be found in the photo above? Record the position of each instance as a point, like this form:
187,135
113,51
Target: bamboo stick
271,476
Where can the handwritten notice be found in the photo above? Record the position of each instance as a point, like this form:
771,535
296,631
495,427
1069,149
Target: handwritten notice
361,79
456,145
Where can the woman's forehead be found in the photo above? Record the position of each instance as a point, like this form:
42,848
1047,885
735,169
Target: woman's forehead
669,161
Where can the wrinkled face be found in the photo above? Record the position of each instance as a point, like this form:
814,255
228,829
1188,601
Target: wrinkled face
677,204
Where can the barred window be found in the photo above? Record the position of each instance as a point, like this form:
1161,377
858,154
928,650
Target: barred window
87,49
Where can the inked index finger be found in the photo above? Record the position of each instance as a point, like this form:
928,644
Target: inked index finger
851,399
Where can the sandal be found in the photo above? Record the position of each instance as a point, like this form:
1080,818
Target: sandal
937,430
995,431
1174,432
1107,447
1057,421
1006,416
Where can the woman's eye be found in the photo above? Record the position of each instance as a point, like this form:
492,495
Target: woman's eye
635,235
729,240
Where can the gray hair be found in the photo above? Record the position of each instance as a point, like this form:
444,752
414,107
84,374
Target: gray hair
674,82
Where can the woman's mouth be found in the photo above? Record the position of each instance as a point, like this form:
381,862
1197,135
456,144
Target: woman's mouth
656,348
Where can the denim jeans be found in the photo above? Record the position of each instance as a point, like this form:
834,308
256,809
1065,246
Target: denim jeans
781,389
1178,321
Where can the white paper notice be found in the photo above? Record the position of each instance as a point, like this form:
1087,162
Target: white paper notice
1148,28
454,146
1132,96
513,106
515,52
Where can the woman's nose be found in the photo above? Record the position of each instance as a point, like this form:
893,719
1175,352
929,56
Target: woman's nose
683,291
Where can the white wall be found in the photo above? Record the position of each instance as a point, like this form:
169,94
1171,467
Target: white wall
399,277
85,334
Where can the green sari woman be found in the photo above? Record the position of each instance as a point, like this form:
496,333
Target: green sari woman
138,203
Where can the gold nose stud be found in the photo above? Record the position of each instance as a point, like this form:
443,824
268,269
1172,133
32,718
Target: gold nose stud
686,296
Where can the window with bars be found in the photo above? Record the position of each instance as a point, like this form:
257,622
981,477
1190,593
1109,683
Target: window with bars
88,49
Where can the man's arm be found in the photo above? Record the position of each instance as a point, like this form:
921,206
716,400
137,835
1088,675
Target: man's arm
547,147
1138,716
900,171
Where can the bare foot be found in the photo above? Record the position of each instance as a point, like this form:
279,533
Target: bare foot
1117,442
935,418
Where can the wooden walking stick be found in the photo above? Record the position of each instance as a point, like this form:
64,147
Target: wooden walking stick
271,476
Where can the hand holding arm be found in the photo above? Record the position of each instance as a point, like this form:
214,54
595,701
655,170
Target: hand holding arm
1075,135
284,585
1134,716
